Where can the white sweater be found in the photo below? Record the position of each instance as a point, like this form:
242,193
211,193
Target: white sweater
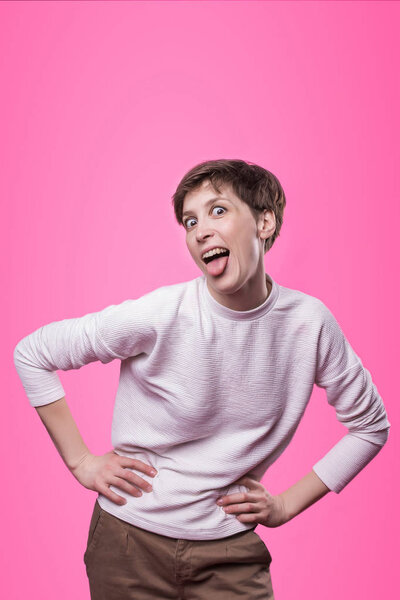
208,394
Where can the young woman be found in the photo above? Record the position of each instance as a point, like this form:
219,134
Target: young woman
216,373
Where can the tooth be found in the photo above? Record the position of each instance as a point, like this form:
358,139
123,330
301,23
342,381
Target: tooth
214,251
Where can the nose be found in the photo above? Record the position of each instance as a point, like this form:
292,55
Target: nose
203,232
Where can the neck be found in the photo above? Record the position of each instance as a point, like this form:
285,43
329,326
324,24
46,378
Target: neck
250,296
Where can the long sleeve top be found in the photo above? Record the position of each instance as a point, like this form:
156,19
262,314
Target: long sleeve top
208,394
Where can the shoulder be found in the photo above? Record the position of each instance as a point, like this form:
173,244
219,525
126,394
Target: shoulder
167,299
131,326
154,306
300,304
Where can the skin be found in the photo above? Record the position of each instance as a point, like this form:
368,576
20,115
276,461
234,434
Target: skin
92,471
229,222
258,506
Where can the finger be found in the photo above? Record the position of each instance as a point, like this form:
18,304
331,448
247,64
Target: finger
231,499
125,486
249,482
244,507
133,479
247,518
105,491
238,497
134,463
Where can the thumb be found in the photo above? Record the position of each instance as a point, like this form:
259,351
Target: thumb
247,481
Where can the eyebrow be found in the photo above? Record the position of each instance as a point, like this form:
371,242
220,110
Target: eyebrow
210,201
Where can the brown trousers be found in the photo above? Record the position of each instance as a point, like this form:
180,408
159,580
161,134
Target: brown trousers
125,562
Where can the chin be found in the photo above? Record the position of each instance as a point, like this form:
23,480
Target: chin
224,286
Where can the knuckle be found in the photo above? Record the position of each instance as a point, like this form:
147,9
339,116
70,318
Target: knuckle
113,496
129,487
141,482
127,475
132,477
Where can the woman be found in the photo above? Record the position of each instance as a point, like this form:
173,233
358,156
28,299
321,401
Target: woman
216,374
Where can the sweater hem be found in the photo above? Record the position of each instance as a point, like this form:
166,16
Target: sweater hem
182,532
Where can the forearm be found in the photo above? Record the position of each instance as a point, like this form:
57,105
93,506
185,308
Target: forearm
60,424
303,494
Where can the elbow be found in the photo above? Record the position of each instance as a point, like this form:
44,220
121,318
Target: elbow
385,434
20,355
17,354
377,437
375,426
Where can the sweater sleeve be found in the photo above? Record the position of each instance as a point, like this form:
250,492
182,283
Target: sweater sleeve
358,405
116,332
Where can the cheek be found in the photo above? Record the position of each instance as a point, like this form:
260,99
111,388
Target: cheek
247,256
195,257
190,249
246,250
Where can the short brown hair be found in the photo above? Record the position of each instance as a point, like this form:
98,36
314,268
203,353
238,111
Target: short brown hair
254,185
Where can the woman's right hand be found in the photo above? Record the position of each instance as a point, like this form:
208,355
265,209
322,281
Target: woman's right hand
97,473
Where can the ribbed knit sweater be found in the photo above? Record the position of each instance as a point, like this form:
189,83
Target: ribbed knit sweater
208,394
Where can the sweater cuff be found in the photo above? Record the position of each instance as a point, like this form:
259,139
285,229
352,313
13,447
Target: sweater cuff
45,389
346,459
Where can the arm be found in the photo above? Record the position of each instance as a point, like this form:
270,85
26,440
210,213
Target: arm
118,331
257,505
359,407
93,472
61,427
302,494
115,332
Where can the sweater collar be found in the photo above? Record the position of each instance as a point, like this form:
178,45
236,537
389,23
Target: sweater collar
240,315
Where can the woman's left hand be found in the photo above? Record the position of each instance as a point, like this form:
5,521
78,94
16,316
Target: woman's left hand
256,505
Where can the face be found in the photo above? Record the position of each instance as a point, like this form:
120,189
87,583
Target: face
223,220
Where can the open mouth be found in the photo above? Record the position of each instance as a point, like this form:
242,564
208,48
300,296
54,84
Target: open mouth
220,255
217,264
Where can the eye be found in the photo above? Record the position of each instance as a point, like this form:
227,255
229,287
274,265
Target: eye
219,207
186,223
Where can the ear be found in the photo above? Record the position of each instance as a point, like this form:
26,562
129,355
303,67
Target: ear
266,224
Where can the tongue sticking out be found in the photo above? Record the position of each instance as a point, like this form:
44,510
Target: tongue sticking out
217,266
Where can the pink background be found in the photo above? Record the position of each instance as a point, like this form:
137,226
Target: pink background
104,107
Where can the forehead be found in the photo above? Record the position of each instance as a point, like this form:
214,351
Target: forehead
205,193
